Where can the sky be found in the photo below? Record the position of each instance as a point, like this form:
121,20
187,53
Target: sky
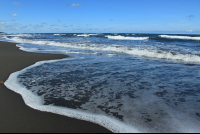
100,16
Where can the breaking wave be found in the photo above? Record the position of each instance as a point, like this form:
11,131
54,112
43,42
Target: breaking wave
126,38
135,51
106,81
180,37
85,35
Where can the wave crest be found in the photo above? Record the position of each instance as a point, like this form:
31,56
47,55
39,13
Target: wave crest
180,37
126,38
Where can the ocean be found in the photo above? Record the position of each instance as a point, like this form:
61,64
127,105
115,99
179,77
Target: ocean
125,82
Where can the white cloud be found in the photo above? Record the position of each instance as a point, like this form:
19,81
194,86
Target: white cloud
16,24
2,22
13,26
23,27
189,30
74,5
16,3
13,15
40,25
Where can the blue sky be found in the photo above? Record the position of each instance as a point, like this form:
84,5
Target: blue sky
100,16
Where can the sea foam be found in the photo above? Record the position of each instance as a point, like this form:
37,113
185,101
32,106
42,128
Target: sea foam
126,38
135,51
83,35
180,37
123,93
36,102
138,110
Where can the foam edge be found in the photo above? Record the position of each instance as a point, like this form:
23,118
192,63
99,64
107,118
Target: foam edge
35,102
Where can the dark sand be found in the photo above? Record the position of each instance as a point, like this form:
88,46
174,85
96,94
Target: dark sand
15,116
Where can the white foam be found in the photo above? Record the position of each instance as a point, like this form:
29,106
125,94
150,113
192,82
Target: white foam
157,54
176,123
180,37
36,102
59,34
92,34
135,51
18,35
83,35
126,38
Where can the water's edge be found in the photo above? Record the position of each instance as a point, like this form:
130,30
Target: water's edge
150,94
35,102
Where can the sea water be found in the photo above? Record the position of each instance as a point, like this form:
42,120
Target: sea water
125,82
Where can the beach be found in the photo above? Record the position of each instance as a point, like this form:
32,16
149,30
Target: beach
100,82
15,116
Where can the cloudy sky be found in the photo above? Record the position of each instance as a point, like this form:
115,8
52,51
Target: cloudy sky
99,16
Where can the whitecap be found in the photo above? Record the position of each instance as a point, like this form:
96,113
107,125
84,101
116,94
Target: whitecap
180,37
126,38
135,51
83,35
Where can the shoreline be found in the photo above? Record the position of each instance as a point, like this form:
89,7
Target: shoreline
16,116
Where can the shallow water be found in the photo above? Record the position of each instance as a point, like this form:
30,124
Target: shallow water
149,85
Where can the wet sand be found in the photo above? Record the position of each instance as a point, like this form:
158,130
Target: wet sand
15,116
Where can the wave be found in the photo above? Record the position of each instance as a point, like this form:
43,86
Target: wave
59,34
93,34
135,51
36,102
86,35
126,38
65,52
110,95
62,34
83,35
180,37
113,81
18,35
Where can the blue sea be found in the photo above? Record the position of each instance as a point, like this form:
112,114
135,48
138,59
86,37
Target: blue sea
125,82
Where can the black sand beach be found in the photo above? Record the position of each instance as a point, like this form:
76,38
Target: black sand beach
15,116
